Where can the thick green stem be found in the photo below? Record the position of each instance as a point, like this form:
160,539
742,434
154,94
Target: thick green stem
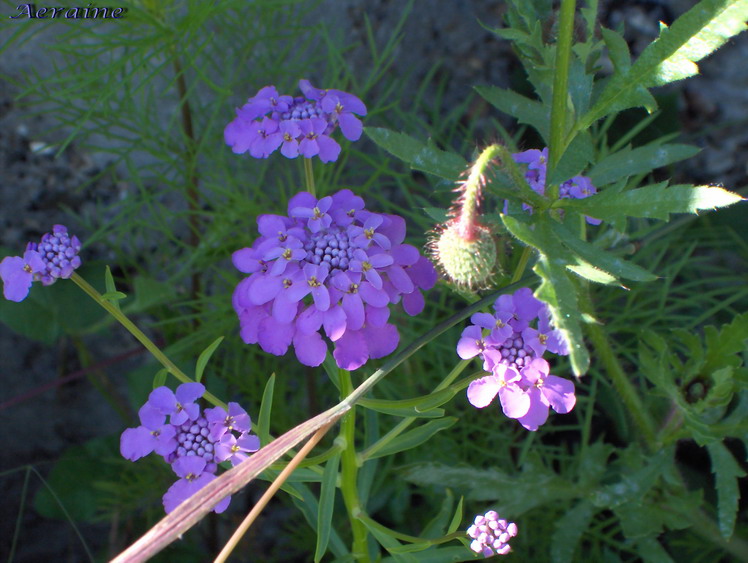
560,86
141,337
309,176
622,383
349,473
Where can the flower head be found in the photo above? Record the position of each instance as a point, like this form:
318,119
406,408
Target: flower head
194,443
491,534
332,266
299,126
511,349
55,256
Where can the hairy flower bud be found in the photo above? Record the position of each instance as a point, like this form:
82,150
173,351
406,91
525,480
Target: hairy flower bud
468,259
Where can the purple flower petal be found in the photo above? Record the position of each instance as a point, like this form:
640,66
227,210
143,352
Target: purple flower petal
382,341
482,391
351,351
310,349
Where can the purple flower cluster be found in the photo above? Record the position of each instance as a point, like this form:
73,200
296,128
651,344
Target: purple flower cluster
578,187
299,125
491,534
329,264
56,256
193,443
512,352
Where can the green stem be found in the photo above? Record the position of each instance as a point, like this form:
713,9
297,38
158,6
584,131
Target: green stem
401,426
561,85
622,383
141,337
309,176
349,473
522,264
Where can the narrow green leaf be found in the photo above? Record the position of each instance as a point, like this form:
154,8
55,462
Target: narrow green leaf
383,406
159,380
438,524
113,297
569,530
456,519
262,428
204,358
727,471
326,505
523,109
397,144
111,294
599,258
640,160
656,201
589,272
415,437
651,551
306,502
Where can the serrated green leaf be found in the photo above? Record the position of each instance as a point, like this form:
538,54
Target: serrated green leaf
204,358
727,471
599,258
640,160
569,530
618,49
589,272
692,36
575,158
415,437
730,340
326,505
560,294
397,144
447,165
523,109
655,201
704,36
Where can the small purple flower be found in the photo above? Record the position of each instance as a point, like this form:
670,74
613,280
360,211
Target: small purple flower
193,478
180,405
193,443
578,187
235,449
350,266
153,435
491,534
511,350
54,257
221,422
299,126
18,273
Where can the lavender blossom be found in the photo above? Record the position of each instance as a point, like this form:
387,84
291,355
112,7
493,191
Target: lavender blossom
299,126
330,266
56,256
193,443
512,350
491,534
578,187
